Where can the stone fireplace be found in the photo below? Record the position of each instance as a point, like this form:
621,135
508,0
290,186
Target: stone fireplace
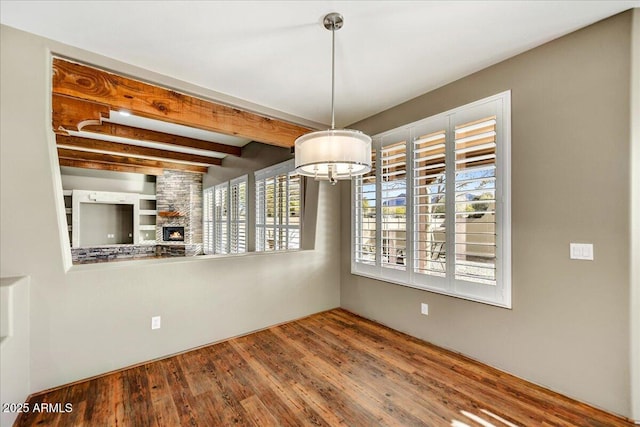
179,207
178,221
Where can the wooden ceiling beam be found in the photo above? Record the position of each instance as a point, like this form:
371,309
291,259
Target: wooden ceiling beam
146,100
138,134
71,142
110,159
73,113
110,167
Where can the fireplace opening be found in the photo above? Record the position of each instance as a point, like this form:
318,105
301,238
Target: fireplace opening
173,234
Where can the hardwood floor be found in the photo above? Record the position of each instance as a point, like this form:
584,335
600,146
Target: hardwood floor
332,368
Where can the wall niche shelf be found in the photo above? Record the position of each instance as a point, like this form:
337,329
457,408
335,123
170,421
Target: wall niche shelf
148,214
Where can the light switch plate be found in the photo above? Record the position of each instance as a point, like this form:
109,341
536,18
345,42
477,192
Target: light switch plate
424,309
582,251
155,322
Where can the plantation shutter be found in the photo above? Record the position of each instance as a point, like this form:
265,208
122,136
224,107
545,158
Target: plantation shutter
261,214
207,217
238,215
365,247
270,215
447,227
429,203
294,211
278,208
393,165
475,201
221,217
281,212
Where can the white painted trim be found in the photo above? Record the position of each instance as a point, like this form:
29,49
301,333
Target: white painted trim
54,164
634,309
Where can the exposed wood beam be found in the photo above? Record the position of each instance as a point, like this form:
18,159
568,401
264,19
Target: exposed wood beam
86,156
130,132
132,150
73,113
110,167
158,103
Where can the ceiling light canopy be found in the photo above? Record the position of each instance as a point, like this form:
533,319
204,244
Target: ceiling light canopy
333,154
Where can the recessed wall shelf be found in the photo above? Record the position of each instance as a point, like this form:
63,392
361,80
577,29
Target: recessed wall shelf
148,214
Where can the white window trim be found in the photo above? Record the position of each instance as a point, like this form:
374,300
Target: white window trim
499,294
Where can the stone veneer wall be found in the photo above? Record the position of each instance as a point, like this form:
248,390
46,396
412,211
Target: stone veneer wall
109,253
180,192
112,253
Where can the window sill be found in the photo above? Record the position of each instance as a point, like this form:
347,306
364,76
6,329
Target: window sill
434,290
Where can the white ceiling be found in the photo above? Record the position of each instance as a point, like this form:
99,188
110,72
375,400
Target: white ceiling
277,53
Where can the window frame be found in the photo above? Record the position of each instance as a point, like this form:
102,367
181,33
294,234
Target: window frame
498,294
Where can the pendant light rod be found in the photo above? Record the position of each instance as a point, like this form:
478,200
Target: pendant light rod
333,77
333,22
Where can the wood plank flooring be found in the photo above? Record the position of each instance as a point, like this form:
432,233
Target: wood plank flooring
329,369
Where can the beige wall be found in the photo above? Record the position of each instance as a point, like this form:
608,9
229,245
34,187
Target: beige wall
255,156
569,326
635,217
96,318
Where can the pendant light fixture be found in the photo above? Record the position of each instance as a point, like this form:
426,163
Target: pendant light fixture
333,154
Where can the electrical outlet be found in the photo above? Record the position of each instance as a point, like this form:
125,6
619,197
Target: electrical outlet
424,309
155,322
111,236
581,251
